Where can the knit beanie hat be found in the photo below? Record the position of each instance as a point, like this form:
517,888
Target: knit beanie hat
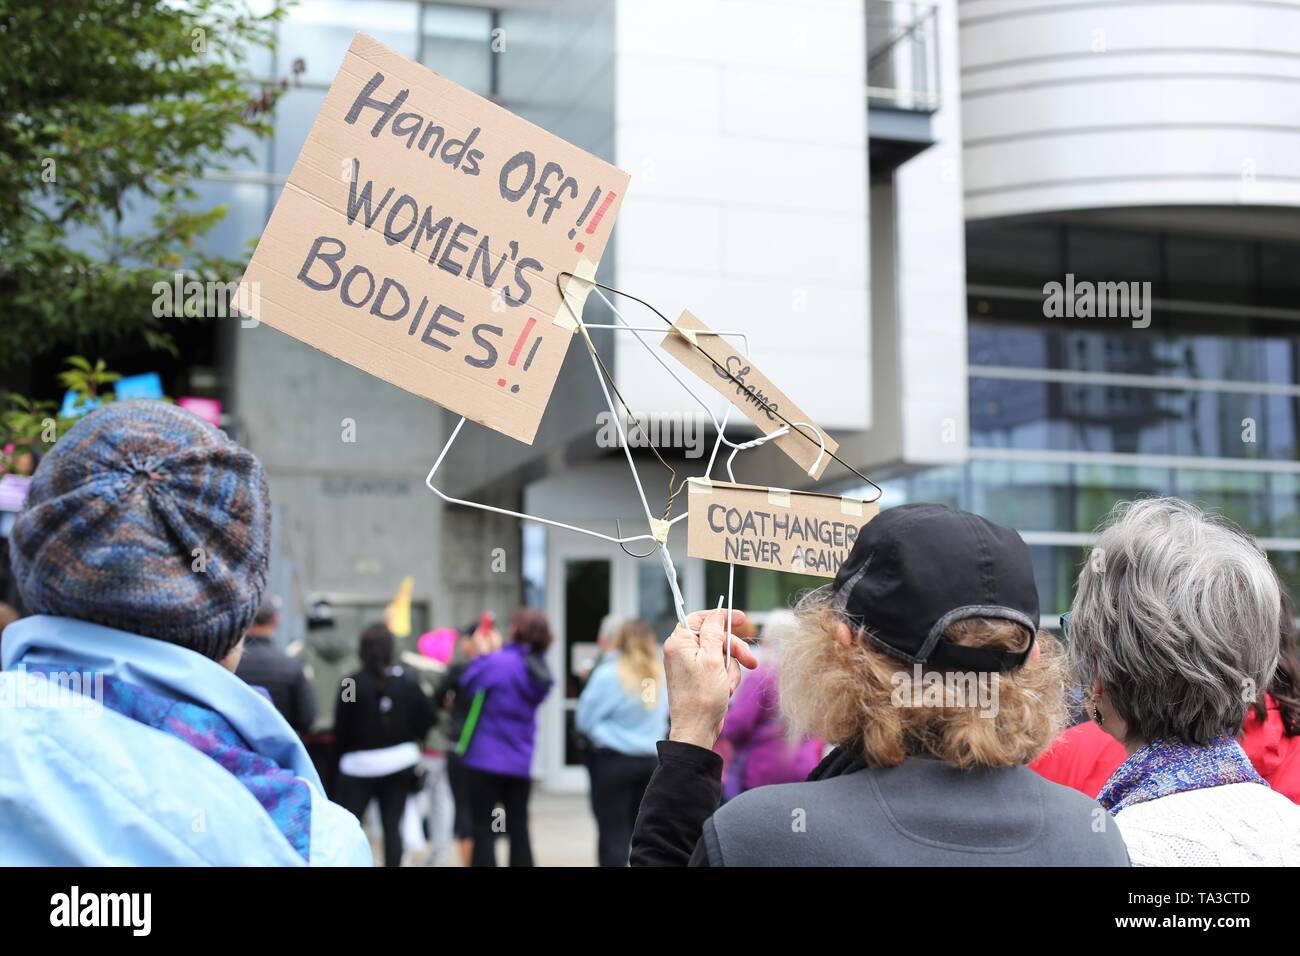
146,519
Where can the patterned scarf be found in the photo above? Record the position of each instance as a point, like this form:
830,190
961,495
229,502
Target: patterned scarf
285,798
1163,767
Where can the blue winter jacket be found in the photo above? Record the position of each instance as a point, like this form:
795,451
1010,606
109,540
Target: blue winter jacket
85,785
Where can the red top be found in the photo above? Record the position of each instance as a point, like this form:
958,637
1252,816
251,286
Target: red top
1085,756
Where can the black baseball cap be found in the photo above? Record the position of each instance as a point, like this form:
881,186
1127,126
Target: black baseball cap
918,568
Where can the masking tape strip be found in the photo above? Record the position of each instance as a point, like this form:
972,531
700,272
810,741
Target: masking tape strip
700,486
576,289
779,497
851,506
660,528
688,334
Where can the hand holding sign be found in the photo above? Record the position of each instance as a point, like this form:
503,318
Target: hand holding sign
701,676
420,237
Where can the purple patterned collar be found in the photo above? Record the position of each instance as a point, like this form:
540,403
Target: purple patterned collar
1163,767
285,798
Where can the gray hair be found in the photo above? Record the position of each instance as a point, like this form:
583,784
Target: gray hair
1176,616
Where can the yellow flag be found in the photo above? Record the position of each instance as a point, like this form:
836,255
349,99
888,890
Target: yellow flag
398,614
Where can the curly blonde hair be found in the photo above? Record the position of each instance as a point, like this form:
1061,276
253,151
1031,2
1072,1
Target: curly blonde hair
860,697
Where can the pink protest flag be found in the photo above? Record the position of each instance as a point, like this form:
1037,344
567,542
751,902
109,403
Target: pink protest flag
208,409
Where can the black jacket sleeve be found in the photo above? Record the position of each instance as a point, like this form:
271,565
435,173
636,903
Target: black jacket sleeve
683,793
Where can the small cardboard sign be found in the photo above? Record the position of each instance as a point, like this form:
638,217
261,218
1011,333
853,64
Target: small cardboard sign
757,397
420,236
796,531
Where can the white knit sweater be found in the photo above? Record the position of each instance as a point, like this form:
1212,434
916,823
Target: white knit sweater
1239,824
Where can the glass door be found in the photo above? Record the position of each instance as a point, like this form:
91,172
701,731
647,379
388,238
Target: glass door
582,588
588,579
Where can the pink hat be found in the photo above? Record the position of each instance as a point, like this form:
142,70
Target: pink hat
438,644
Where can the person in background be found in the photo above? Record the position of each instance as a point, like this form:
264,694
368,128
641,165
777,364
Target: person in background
747,631
434,807
1085,756
283,678
759,748
623,710
505,687
449,696
328,654
142,551
928,770
379,722
1173,632
609,625
583,667
486,636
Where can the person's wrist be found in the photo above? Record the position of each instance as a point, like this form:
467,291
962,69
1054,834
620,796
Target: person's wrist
693,733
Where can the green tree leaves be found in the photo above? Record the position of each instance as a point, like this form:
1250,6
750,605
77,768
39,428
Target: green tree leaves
107,108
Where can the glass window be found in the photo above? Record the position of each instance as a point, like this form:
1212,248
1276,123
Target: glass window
1287,564
1109,255
1095,489
533,564
295,115
456,43
1180,266
1215,270
1018,255
320,32
1283,506
1056,569
1247,355
1055,416
586,602
1279,280
1241,496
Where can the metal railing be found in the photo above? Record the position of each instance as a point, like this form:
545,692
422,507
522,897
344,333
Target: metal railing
903,55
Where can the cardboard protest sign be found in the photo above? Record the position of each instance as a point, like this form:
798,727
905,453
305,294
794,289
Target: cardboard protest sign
755,395
796,531
420,236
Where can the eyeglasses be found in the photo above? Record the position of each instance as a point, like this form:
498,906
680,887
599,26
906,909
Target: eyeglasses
1065,625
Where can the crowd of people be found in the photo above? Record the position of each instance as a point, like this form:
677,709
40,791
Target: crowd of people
911,712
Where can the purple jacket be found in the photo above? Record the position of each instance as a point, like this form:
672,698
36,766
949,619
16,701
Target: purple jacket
516,683
762,752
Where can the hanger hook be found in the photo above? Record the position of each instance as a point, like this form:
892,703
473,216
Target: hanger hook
618,527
